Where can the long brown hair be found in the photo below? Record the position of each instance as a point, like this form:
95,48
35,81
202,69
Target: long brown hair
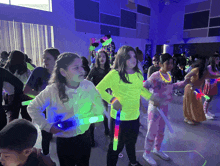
120,62
97,63
212,62
63,61
16,62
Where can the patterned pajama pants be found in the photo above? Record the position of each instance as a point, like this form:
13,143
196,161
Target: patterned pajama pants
156,127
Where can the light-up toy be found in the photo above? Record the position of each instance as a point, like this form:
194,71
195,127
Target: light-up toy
117,123
166,120
72,122
199,94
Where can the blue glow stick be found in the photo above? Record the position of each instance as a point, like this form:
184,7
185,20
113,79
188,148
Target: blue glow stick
71,123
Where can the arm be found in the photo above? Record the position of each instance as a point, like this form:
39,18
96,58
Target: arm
149,72
192,73
13,80
97,105
90,75
108,82
37,106
212,74
33,81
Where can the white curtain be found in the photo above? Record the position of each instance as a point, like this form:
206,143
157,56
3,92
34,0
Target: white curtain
31,39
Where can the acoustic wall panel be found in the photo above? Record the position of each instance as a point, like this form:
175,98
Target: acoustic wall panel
196,20
214,22
125,32
195,33
128,19
143,18
142,31
84,26
214,32
111,20
124,5
87,10
143,10
110,7
195,7
105,30
215,8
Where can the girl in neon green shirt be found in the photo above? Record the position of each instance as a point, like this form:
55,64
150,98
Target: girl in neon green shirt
126,82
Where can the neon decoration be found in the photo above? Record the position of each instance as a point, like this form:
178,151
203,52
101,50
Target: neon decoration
72,122
166,81
117,123
199,94
166,120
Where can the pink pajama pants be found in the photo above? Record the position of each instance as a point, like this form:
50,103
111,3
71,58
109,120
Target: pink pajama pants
156,127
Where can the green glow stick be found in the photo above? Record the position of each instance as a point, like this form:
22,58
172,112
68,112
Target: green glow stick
26,102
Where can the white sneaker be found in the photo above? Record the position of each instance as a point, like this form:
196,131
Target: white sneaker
161,154
209,117
210,114
149,159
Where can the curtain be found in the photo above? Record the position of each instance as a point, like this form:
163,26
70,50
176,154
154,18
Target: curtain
32,39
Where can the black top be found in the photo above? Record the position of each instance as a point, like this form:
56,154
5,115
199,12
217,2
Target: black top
6,76
97,74
39,78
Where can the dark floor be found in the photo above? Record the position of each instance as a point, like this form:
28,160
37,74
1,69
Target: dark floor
188,146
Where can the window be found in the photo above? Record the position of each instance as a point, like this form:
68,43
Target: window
35,4
4,1
31,39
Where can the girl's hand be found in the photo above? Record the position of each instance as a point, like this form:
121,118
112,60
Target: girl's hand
116,105
54,129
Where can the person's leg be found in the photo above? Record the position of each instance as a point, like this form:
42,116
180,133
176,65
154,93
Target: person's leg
64,146
91,129
84,149
3,119
153,117
112,156
24,113
131,134
206,104
46,138
105,122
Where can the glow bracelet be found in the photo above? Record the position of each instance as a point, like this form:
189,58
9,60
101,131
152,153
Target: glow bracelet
117,123
166,120
199,94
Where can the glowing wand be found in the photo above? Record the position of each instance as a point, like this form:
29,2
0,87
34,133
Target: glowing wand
117,123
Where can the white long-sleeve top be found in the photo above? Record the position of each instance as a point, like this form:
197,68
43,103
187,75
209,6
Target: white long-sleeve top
84,102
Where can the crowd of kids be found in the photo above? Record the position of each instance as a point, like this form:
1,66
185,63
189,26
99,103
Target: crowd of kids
67,90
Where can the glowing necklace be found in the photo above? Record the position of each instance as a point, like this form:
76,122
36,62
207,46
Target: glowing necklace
170,79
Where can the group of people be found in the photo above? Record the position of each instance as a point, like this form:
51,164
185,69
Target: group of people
66,88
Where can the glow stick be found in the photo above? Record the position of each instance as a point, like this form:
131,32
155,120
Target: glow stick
91,48
30,67
117,123
199,94
72,122
166,120
26,102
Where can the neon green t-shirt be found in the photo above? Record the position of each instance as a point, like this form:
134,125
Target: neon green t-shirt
127,94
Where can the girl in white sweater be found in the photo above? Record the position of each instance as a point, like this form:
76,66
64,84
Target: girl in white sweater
68,96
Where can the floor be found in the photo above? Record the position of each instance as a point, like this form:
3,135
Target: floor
188,146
